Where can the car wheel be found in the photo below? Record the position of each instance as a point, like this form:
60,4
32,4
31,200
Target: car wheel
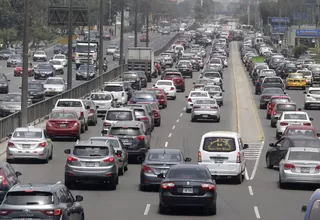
143,188
239,178
113,184
174,97
306,106
281,184
121,171
69,184
211,210
163,209
277,135
268,162
193,119
83,129
46,160
9,160
183,90
51,154
218,120
86,126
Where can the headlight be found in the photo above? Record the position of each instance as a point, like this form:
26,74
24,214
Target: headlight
37,72
3,106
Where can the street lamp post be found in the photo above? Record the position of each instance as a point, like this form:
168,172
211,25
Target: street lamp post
101,39
121,37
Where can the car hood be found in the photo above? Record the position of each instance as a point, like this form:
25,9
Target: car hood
58,66
43,70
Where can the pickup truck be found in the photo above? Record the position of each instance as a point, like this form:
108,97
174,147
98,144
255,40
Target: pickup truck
76,105
272,82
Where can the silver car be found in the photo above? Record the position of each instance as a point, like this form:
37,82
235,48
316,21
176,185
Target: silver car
216,92
206,109
11,104
117,146
92,114
279,108
92,162
104,101
54,86
13,60
300,165
29,143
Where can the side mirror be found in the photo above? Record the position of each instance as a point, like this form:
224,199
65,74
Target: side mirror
305,92
304,208
311,119
193,83
67,151
88,107
188,159
186,96
97,107
272,145
285,93
318,134
18,173
276,118
119,152
211,97
245,146
223,90
9,135
299,109
9,80
161,175
154,85
20,87
115,100
79,198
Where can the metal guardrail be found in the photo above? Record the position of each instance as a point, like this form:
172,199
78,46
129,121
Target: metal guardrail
40,110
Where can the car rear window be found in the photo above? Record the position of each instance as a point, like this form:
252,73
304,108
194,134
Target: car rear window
280,100
304,155
75,104
171,75
146,96
212,75
119,116
64,115
286,107
294,116
301,132
167,157
27,134
272,80
139,112
219,144
125,131
113,88
314,91
188,173
29,198
90,151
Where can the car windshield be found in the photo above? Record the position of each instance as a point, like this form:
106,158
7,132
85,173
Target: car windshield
90,151
205,102
219,144
314,91
76,104
306,73
59,57
54,81
304,155
215,61
140,95
129,77
267,72
139,112
165,157
163,83
184,64
212,89
55,62
301,132
96,96
64,115
272,80
29,198
172,75
296,76
188,173
293,116
40,53
212,75
273,91
12,98
119,116
125,131
286,107
113,47
35,86
84,68
141,73
44,66
84,49
27,134
198,94
15,57
111,88
112,142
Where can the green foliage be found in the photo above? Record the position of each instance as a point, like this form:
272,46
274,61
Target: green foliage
198,11
298,51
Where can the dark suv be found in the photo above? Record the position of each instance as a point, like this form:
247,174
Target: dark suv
133,78
41,201
4,84
36,91
134,136
9,178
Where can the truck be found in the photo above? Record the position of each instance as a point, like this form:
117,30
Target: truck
141,59
81,52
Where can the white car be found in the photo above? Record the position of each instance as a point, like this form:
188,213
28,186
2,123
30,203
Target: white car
111,49
62,58
54,86
312,97
103,101
193,96
40,55
117,89
57,65
168,87
292,118
222,152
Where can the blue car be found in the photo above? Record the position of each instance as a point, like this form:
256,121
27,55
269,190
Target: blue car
143,96
312,210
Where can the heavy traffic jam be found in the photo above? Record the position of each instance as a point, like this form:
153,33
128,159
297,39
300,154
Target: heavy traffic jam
166,139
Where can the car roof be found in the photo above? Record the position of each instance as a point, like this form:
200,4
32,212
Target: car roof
30,128
120,109
300,149
286,103
296,112
104,138
221,133
194,166
164,150
162,80
300,127
90,143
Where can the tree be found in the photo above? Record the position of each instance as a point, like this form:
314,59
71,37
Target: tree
198,11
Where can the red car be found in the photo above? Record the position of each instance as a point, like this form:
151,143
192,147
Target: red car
156,112
143,38
274,100
300,130
106,36
161,96
18,70
64,124
177,79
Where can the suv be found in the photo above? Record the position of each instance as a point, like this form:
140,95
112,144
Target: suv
133,78
135,137
117,114
92,161
41,201
9,178
118,91
312,97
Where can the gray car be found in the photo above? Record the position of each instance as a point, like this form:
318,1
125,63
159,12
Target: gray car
93,113
13,60
117,146
11,104
5,54
92,162
205,109
266,95
159,161
279,108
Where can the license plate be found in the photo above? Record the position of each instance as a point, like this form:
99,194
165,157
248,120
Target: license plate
125,140
205,116
26,146
305,170
187,190
218,160
88,164
62,126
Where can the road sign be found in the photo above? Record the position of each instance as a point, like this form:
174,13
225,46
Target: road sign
307,33
279,20
280,29
300,16
59,16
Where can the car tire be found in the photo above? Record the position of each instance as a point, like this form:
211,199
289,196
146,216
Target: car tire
188,110
268,162
143,188
174,98
281,184
306,106
69,184
83,129
121,171
86,127
278,136
211,210
268,117
113,184
239,179
51,154
46,160
183,90
193,119
9,160
261,106
163,210
218,120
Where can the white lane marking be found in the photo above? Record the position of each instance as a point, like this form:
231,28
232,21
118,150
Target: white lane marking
146,211
184,108
166,144
170,135
257,162
173,127
181,114
250,190
246,175
256,211
177,120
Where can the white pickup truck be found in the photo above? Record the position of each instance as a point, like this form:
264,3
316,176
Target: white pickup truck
76,105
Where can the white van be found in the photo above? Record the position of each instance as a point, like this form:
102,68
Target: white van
222,152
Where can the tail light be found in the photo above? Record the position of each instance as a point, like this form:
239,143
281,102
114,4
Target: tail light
75,124
140,138
109,160
146,169
5,183
269,106
266,97
214,107
91,110
72,159
172,88
54,212
307,124
119,155
196,106
82,114
238,157
156,114
144,119
274,112
10,144
43,144
167,185
131,101
318,167
49,124
208,187
283,123
5,212
189,100
257,81
106,124
288,166
160,97
199,157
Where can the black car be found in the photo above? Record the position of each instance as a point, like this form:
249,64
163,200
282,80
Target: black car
266,95
185,68
286,69
9,178
133,78
57,49
187,185
4,84
36,91
143,78
44,71
82,72
278,150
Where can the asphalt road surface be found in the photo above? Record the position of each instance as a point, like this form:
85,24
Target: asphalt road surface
258,197
157,41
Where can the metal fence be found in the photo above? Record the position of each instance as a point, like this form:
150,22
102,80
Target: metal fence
42,109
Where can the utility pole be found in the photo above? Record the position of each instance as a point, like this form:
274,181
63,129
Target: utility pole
88,59
248,11
147,28
136,23
101,39
121,38
24,84
69,72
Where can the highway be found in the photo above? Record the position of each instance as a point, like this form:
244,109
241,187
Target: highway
157,41
258,197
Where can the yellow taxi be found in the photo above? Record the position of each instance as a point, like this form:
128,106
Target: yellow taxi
296,80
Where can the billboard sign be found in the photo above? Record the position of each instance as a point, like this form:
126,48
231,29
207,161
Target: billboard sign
307,33
285,20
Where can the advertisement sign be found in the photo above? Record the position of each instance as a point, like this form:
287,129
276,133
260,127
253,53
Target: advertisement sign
307,33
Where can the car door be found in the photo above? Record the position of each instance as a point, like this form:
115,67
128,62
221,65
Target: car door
64,201
242,156
75,206
281,150
12,175
124,151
